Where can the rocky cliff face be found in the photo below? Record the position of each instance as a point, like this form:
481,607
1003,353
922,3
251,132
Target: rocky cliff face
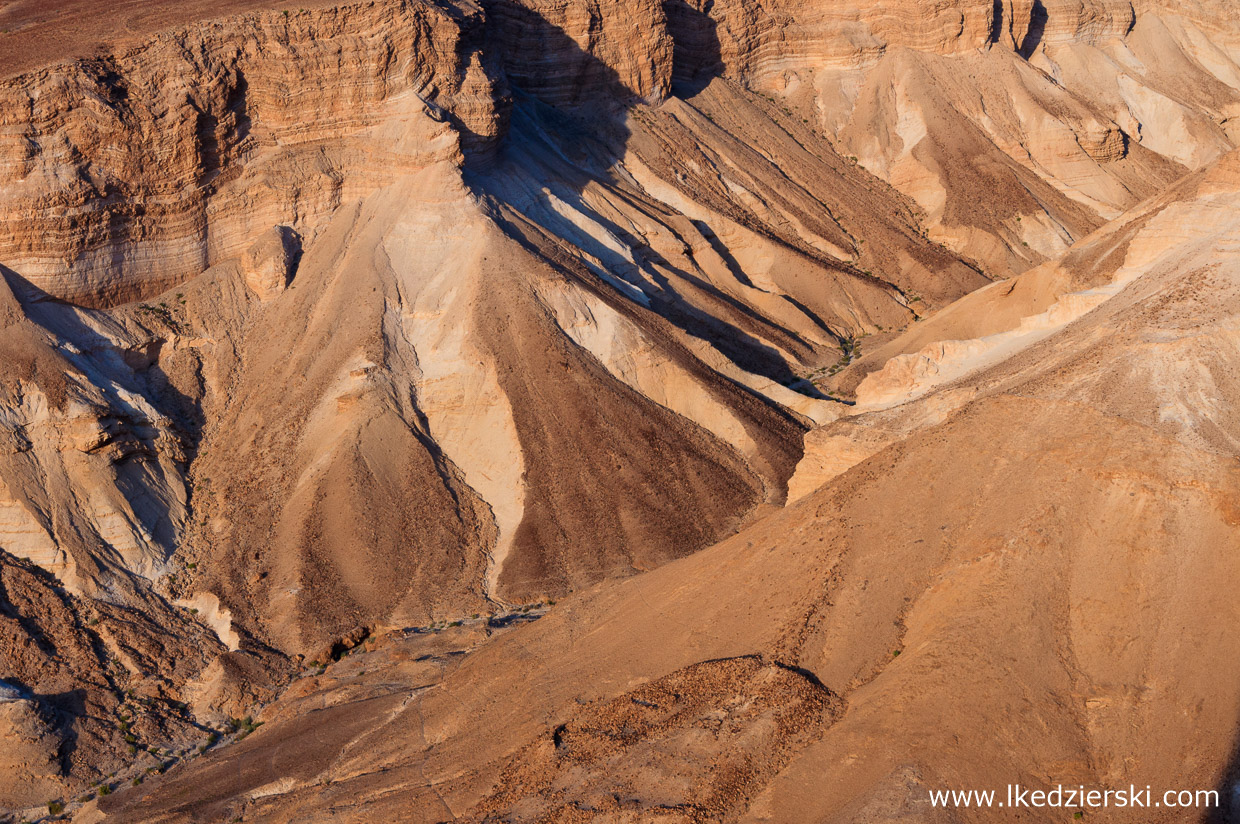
129,173
219,113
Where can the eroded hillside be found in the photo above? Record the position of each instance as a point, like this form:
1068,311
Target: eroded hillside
1053,593
321,324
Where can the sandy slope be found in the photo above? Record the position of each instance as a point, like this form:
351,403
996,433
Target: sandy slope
323,325
1031,583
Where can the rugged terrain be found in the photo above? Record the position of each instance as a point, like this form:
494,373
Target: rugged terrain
846,389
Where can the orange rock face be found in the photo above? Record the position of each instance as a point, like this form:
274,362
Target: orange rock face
129,173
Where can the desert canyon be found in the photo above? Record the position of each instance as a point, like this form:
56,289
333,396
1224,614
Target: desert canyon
617,410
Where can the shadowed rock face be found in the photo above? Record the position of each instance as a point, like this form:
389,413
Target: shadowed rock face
320,323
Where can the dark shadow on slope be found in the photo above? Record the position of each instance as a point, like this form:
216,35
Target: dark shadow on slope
1228,788
696,57
737,272
68,707
529,184
575,273
219,133
542,60
724,254
811,314
1037,27
568,130
542,63
996,22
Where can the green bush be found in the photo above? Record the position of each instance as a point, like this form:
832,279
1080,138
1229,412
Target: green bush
55,807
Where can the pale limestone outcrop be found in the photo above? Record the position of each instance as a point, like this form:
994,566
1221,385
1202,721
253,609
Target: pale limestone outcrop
27,535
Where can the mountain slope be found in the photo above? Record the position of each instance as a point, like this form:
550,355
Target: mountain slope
666,321
349,322
1042,612
1017,128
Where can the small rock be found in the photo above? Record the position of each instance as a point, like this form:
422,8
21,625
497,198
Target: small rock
271,261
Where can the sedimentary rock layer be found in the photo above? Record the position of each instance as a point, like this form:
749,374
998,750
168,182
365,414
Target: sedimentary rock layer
127,173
